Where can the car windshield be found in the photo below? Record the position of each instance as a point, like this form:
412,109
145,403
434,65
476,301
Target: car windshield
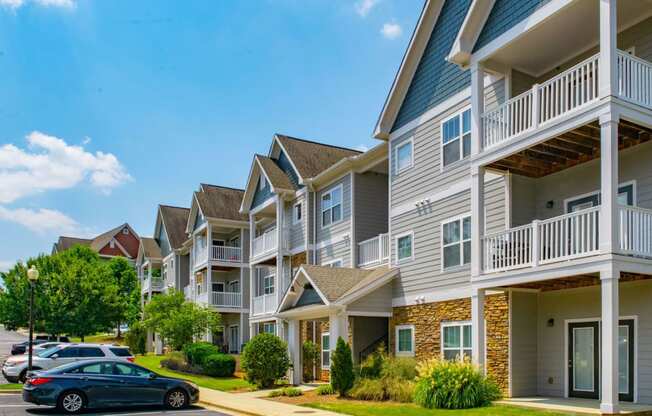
46,353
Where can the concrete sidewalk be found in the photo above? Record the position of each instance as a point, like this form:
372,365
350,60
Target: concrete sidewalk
247,403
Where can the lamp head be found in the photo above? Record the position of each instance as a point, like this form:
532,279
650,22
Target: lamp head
32,274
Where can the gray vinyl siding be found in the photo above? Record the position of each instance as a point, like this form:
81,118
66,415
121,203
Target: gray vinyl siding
261,195
297,231
521,82
339,250
583,304
183,271
371,204
344,225
523,355
244,288
380,300
245,245
427,176
311,218
531,196
163,242
424,272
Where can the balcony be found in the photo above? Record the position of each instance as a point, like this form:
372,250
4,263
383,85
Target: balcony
222,299
267,243
155,282
265,304
374,251
226,254
563,95
567,237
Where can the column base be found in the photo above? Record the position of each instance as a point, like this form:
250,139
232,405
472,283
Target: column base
609,408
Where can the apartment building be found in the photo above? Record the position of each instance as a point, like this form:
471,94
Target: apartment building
121,241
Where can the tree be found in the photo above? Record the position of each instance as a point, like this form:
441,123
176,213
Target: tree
341,369
124,276
178,321
265,359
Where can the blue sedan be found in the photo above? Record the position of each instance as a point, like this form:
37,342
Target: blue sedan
106,383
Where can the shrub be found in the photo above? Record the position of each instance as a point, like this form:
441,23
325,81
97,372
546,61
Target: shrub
372,365
287,392
219,365
341,368
175,361
310,355
197,352
325,390
453,385
399,368
136,338
368,389
265,359
399,390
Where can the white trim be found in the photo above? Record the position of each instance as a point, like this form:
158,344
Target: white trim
469,32
460,138
432,296
330,191
370,314
398,237
460,219
396,346
322,351
353,252
461,325
331,262
597,192
338,238
296,250
398,170
295,220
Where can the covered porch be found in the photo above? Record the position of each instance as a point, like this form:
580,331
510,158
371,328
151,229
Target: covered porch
573,405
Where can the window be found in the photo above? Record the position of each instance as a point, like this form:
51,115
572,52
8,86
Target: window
325,350
218,243
269,328
120,352
71,352
262,182
218,287
268,284
404,156
405,340
333,263
90,352
404,247
112,243
120,369
456,340
234,286
456,242
125,231
96,368
331,206
456,138
296,213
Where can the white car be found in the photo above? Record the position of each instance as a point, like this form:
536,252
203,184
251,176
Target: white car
15,368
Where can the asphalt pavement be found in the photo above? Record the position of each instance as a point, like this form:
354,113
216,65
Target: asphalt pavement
7,338
13,405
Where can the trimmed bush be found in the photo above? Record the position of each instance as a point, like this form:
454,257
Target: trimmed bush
453,385
219,365
287,392
265,359
310,355
368,389
325,390
197,352
136,338
341,368
399,368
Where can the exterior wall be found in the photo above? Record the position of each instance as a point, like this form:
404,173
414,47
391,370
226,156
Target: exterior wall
366,331
371,200
523,318
129,242
261,195
297,232
585,303
163,242
339,250
344,225
379,300
427,319
311,331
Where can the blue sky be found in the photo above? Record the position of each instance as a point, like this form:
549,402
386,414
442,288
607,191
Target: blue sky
109,108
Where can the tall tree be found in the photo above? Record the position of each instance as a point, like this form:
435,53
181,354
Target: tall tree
124,276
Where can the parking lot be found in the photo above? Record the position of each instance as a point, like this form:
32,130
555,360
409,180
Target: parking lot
13,405
7,338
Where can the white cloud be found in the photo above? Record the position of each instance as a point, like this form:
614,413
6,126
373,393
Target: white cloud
391,30
12,4
363,7
50,163
68,4
41,221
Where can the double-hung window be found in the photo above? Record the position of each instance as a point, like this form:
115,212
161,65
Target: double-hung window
404,158
456,340
268,284
456,242
333,263
404,247
456,138
269,328
405,340
296,213
331,206
325,350
262,182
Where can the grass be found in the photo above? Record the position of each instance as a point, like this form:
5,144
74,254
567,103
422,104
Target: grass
153,362
11,386
100,339
397,409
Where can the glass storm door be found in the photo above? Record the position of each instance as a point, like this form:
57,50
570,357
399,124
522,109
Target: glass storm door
626,360
584,358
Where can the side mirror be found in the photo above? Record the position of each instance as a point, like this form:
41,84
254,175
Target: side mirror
151,376
54,356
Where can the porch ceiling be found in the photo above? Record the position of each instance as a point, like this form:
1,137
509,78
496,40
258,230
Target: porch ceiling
574,282
569,149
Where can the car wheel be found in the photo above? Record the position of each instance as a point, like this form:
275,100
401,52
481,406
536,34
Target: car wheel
22,376
176,399
71,402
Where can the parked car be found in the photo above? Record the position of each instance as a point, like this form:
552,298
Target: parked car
21,347
106,383
62,338
46,345
15,368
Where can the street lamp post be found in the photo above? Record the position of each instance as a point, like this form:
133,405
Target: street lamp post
32,276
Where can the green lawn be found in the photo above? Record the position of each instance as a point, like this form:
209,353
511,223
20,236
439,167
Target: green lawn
395,409
100,339
11,386
153,362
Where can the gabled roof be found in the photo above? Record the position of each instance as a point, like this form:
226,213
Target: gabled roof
150,248
276,177
103,239
220,202
175,220
64,243
97,243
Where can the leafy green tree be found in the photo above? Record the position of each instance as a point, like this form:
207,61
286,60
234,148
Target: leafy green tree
265,359
124,276
178,321
341,368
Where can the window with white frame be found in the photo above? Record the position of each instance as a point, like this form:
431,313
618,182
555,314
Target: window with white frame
325,350
112,243
125,231
331,206
268,284
404,158
297,213
269,328
333,263
456,340
405,340
456,137
456,242
404,246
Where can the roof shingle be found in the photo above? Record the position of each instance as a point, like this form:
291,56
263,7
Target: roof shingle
311,158
175,220
221,202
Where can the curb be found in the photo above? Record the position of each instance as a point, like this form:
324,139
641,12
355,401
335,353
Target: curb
229,409
10,391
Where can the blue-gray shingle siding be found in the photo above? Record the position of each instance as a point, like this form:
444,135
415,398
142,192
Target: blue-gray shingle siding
436,79
163,241
199,221
261,195
503,16
283,162
309,297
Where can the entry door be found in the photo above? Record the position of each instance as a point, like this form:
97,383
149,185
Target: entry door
584,359
234,339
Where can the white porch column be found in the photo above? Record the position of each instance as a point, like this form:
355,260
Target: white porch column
609,332
609,183
252,330
338,322
280,329
477,327
294,345
477,219
608,72
278,287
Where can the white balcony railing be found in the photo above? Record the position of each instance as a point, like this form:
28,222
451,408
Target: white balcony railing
156,284
187,292
265,304
200,255
374,250
226,254
558,96
267,242
635,231
556,239
635,79
226,299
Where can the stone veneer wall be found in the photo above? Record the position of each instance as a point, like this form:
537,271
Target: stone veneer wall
427,319
297,260
320,326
